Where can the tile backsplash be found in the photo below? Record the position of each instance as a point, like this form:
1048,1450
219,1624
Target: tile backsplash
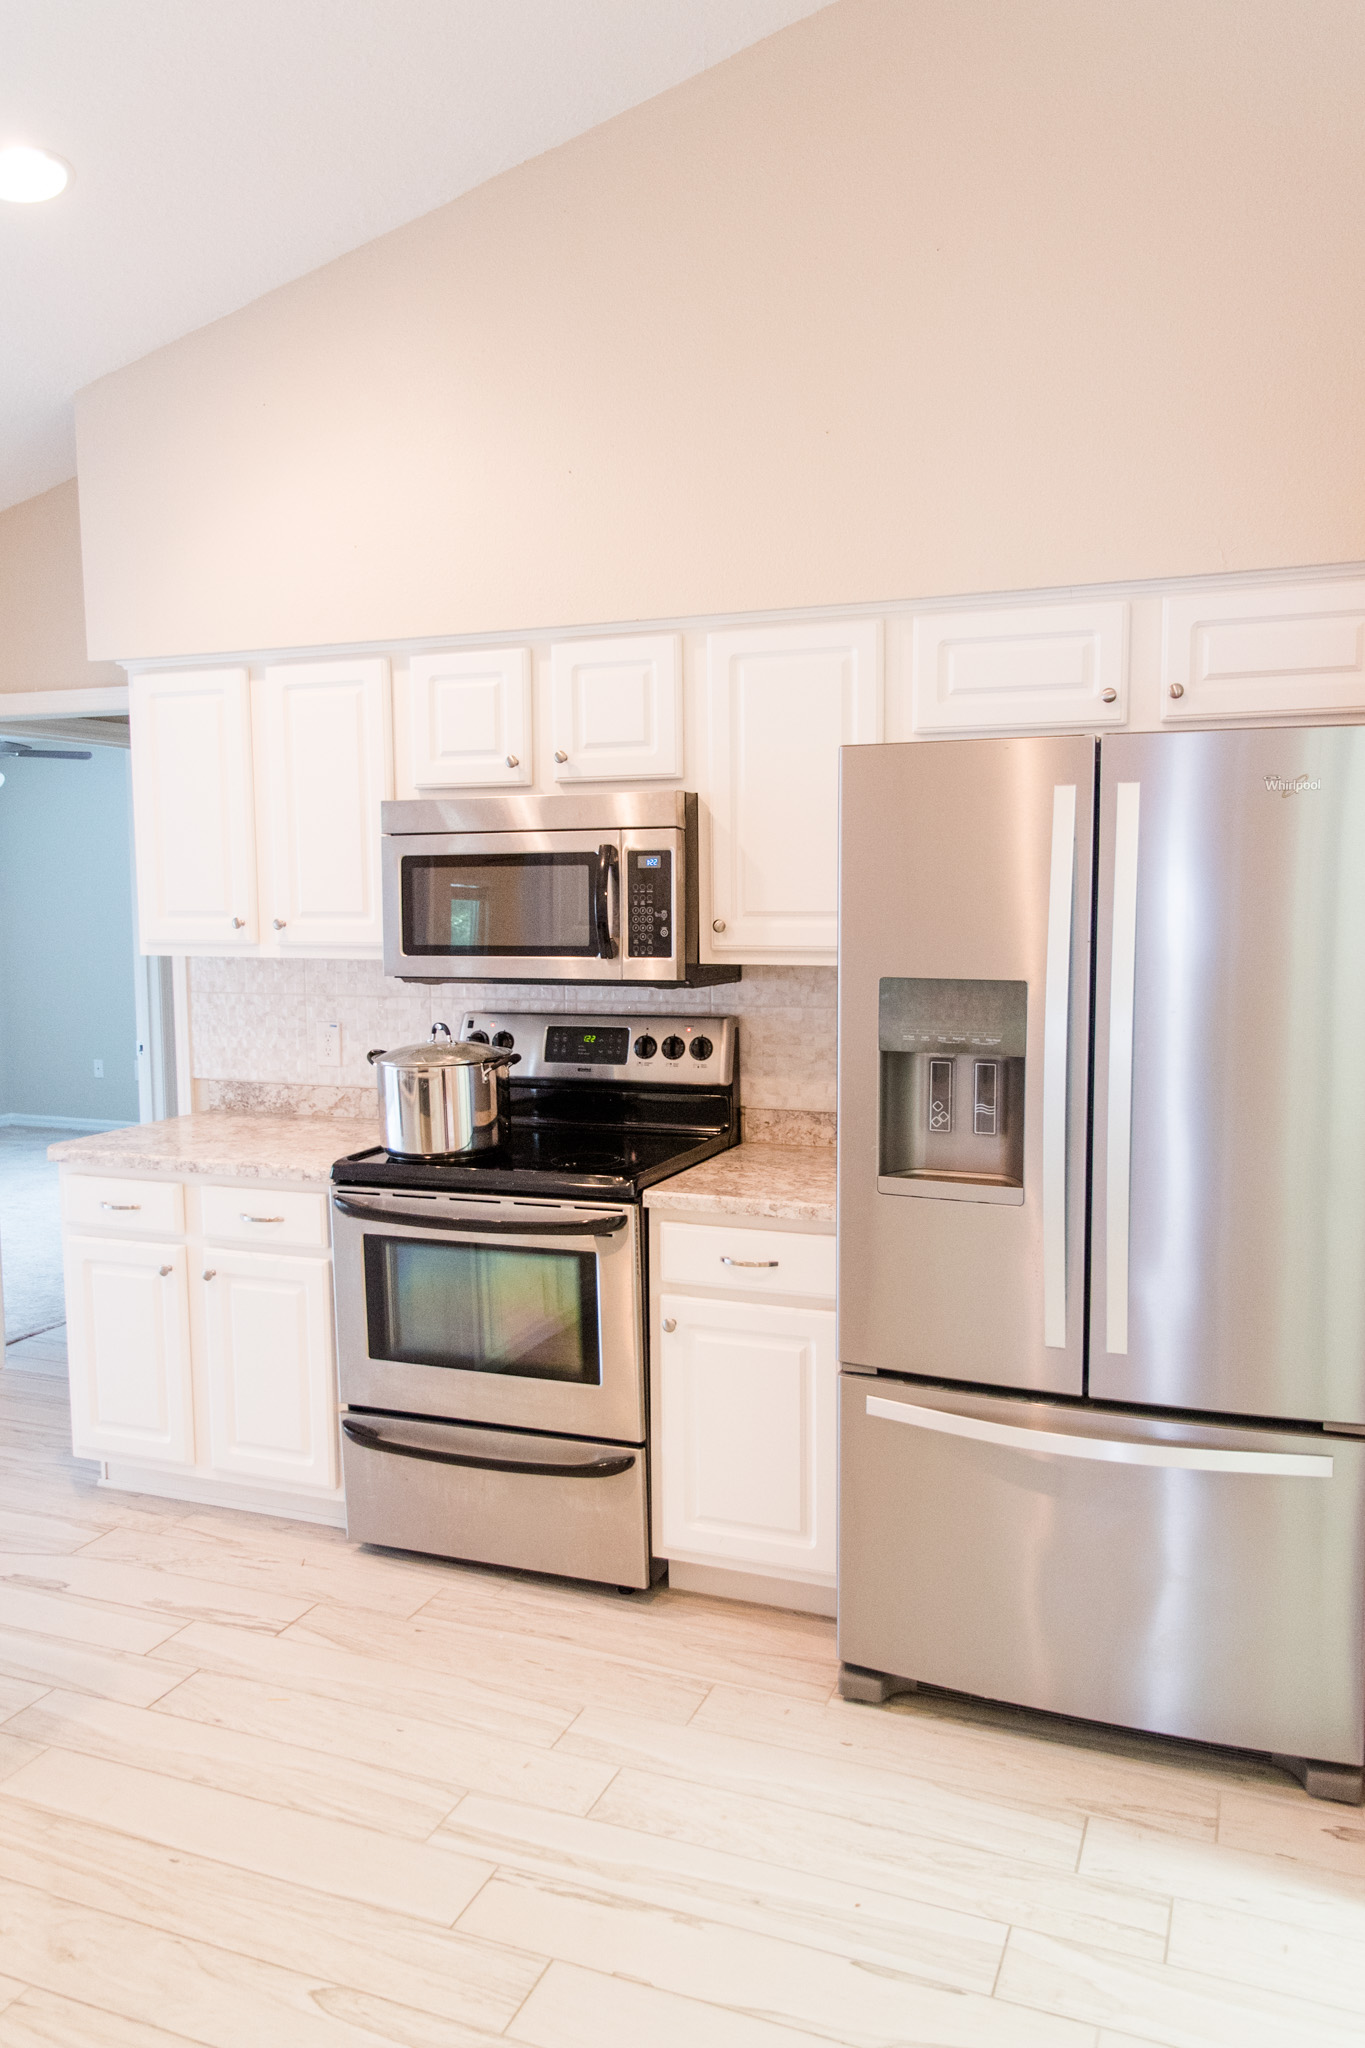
257,1026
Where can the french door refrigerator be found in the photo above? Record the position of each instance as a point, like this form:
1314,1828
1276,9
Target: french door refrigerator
1102,1232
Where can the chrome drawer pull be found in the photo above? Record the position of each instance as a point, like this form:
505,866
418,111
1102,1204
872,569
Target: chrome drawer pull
1056,1443
120,1205
595,1468
727,1261
244,1218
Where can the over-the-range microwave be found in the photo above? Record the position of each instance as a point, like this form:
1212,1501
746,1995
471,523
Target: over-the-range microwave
545,888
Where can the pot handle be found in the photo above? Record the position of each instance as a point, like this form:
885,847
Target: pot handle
376,1052
438,1026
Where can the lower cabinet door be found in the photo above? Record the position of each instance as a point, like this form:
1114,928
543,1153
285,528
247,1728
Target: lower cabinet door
270,1367
748,1434
128,1329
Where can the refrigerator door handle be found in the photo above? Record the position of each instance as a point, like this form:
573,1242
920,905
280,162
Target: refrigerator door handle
1119,1139
1056,1052
1105,1450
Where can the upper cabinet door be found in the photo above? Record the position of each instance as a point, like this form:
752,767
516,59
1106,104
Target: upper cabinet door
471,718
616,708
193,811
782,700
327,733
1020,668
1296,650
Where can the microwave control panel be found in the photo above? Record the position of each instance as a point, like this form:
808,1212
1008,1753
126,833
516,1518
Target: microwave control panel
649,904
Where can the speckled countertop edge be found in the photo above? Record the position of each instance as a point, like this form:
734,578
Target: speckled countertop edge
793,1181
216,1145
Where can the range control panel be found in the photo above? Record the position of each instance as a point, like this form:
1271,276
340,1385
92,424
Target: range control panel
695,1051
649,904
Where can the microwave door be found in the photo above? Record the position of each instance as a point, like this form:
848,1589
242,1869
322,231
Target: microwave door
503,906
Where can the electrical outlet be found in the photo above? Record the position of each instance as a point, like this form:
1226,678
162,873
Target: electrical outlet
327,1049
99,1070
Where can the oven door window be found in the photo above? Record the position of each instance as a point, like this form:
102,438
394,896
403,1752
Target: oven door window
500,903
483,1308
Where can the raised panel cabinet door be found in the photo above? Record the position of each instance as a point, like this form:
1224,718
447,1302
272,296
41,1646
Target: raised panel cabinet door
270,1367
471,718
1020,668
616,708
328,733
194,821
781,701
1278,650
747,1434
128,1333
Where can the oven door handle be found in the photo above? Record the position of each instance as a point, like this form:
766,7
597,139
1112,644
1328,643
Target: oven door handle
603,875
483,1226
597,1468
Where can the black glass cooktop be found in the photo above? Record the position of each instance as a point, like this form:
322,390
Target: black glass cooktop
561,1160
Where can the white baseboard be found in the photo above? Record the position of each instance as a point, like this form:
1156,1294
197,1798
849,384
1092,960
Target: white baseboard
225,1493
760,1589
65,1123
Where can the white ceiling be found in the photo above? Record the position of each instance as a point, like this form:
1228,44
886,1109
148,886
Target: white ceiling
222,147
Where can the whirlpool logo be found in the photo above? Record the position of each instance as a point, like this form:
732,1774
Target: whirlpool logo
1292,785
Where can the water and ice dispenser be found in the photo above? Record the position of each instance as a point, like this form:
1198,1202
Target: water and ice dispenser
952,1089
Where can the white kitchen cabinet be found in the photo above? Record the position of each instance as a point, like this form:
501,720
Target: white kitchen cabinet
616,708
269,1366
471,718
1020,668
781,701
193,810
1261,651
747,1435
328,737
128,1334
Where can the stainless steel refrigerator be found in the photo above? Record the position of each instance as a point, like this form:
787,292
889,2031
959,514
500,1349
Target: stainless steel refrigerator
1102,1232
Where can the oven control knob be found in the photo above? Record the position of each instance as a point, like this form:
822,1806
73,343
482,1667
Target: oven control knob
645,1046
503,1038
674,1048
701,1048
478,1038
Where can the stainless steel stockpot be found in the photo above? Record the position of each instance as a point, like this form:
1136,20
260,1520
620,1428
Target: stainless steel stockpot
440,1099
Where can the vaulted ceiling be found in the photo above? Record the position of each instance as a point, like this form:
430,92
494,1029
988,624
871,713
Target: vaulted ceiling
223,147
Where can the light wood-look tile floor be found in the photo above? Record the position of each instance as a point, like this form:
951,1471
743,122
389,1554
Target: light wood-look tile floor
259,1788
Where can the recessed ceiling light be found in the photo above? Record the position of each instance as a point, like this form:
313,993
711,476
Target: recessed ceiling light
28,174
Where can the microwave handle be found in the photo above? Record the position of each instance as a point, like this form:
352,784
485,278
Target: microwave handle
484,1226
605,874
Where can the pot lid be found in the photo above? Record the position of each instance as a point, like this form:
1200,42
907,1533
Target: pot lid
438,1051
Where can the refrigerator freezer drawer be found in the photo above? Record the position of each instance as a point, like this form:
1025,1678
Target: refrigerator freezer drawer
498,1496
1198,1582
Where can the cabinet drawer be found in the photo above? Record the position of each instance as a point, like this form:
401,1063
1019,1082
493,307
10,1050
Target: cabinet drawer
241,1213
134,1208
749,1261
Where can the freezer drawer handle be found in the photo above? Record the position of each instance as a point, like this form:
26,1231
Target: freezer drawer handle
1056,1050
1119,1134
598,1468
489,1226
1104,1450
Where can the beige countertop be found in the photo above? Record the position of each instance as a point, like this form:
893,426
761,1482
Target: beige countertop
796,1181
218,1145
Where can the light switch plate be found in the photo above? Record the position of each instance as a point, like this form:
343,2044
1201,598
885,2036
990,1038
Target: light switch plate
327,1049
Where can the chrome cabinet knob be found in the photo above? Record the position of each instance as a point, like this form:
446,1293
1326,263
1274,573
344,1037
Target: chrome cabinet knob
670,1325
210,1274
279,923
560,756
238,923
718,924
166,1272
1177,689
512,761
1110,696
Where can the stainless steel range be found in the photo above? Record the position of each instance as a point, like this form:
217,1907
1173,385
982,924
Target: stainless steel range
491,1308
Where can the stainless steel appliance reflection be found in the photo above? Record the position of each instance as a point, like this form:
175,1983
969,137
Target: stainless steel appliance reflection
490,1308
1188,1557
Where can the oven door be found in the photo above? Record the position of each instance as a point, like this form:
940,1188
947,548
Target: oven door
503,906
472,1309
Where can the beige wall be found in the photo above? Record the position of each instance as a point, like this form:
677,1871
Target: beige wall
919,296
42,610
